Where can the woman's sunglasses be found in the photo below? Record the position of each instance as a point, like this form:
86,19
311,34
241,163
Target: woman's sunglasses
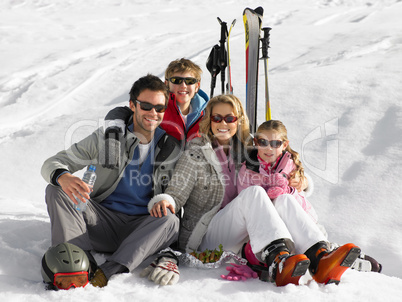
148,107
264,143
217,118
179,80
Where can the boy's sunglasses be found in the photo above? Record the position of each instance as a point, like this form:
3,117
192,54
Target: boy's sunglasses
148,107
179,80
264,143
217,118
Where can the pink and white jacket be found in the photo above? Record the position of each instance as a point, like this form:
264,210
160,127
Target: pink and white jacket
276,176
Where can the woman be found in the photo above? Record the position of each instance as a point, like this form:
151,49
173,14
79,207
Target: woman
204,184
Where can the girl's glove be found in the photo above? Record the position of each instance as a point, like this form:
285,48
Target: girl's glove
163,270
274,192
279,186
279,180
239,272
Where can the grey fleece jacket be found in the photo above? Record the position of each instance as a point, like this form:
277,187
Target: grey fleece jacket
197,186
86,152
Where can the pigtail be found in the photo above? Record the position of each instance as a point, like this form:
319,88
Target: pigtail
296,159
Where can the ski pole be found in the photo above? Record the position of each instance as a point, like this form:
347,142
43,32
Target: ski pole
223,54
229,87
213,67
265,46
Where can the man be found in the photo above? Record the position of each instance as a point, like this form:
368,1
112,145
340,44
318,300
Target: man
117,220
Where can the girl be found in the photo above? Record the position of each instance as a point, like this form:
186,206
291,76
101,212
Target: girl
272,164
204,185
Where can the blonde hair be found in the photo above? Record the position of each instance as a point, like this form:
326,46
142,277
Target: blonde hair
279,127
183,65
243,128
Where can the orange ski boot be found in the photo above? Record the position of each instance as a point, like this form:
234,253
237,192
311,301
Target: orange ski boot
283,267
328,267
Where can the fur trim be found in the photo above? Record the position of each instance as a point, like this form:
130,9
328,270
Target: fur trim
160,197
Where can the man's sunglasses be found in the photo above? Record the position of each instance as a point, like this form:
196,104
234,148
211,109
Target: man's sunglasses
179,80
264,143
217,118
148,107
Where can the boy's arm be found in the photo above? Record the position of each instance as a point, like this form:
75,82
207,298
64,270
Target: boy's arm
115,125
119,113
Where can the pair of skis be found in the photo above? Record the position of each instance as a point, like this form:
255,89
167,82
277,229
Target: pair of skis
252,19
219,60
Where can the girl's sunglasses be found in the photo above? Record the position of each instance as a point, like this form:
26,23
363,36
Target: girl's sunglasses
179,80
217,118
148,107
264,143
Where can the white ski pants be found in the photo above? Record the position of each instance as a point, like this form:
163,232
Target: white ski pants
252,215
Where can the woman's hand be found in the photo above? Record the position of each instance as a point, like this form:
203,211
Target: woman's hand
296,182
160,208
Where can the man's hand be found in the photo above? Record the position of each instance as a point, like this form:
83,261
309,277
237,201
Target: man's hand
163,270
160,208
71,184
296,182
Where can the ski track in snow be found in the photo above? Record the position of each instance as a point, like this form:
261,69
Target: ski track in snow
111,61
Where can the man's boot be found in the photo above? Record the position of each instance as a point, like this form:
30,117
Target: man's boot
327,267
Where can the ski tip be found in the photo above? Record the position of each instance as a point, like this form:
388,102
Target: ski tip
259,10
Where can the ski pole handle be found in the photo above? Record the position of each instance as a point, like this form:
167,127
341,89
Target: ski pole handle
265,42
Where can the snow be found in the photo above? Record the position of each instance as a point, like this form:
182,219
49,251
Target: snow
334,80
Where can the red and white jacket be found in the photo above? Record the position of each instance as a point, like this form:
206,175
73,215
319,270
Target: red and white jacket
173,122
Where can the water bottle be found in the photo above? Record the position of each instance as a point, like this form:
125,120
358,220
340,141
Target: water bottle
89,178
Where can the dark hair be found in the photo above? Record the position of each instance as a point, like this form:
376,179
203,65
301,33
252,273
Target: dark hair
149,82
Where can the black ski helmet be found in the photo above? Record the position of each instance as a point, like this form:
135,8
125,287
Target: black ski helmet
63,258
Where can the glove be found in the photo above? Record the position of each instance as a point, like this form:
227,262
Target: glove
279,186
163,270
275,180
274,192
239,272
109,153
279,180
